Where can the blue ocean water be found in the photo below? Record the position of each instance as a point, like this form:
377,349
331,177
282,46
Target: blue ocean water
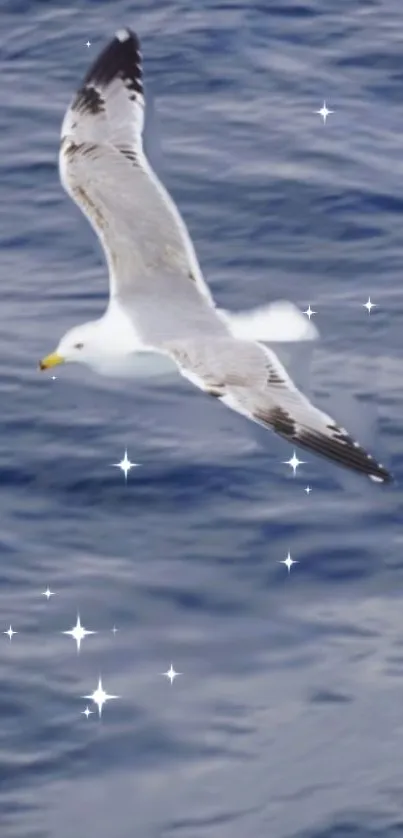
287,719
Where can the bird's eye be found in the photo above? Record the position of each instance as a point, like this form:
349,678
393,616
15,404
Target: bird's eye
78,345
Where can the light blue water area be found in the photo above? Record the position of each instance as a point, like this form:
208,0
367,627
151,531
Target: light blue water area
287,719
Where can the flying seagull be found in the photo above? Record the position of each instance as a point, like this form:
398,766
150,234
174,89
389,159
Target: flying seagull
159,301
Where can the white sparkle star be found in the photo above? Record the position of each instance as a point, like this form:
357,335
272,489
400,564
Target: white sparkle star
78,632
48,593
288,562
10,632
171,674
125,465
309,312
294,462
88,44
307,489
87,712
99,696
114,629
369,305
324,112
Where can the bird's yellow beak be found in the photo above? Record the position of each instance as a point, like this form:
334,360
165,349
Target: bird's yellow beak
51,360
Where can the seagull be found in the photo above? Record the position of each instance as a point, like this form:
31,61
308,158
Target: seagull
159,301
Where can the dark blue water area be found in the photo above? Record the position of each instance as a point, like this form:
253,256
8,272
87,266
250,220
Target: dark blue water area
287,718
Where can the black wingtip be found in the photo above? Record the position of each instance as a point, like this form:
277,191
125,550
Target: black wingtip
382,475
121,58
124,34
338,447
343,450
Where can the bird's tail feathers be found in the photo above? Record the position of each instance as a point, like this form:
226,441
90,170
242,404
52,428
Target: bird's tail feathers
276,322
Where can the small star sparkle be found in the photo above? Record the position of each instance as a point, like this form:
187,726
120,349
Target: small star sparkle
88,44
288,562
87,712
369,305
308,490
294,462
324,112
48,593
10,632
78,632
125,465
99,697
309,312
114,630
171,674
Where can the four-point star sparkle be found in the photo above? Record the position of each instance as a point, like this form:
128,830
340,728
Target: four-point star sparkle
99,697
78,632
288,562
87,712
171,674
294,462
88,44
125,465
324,112
10,632
48,593
309,312
369,305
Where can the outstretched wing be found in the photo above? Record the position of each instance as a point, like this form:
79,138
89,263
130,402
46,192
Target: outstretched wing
250,379
104,169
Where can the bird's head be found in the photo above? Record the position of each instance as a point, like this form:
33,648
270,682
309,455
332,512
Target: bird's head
79,345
